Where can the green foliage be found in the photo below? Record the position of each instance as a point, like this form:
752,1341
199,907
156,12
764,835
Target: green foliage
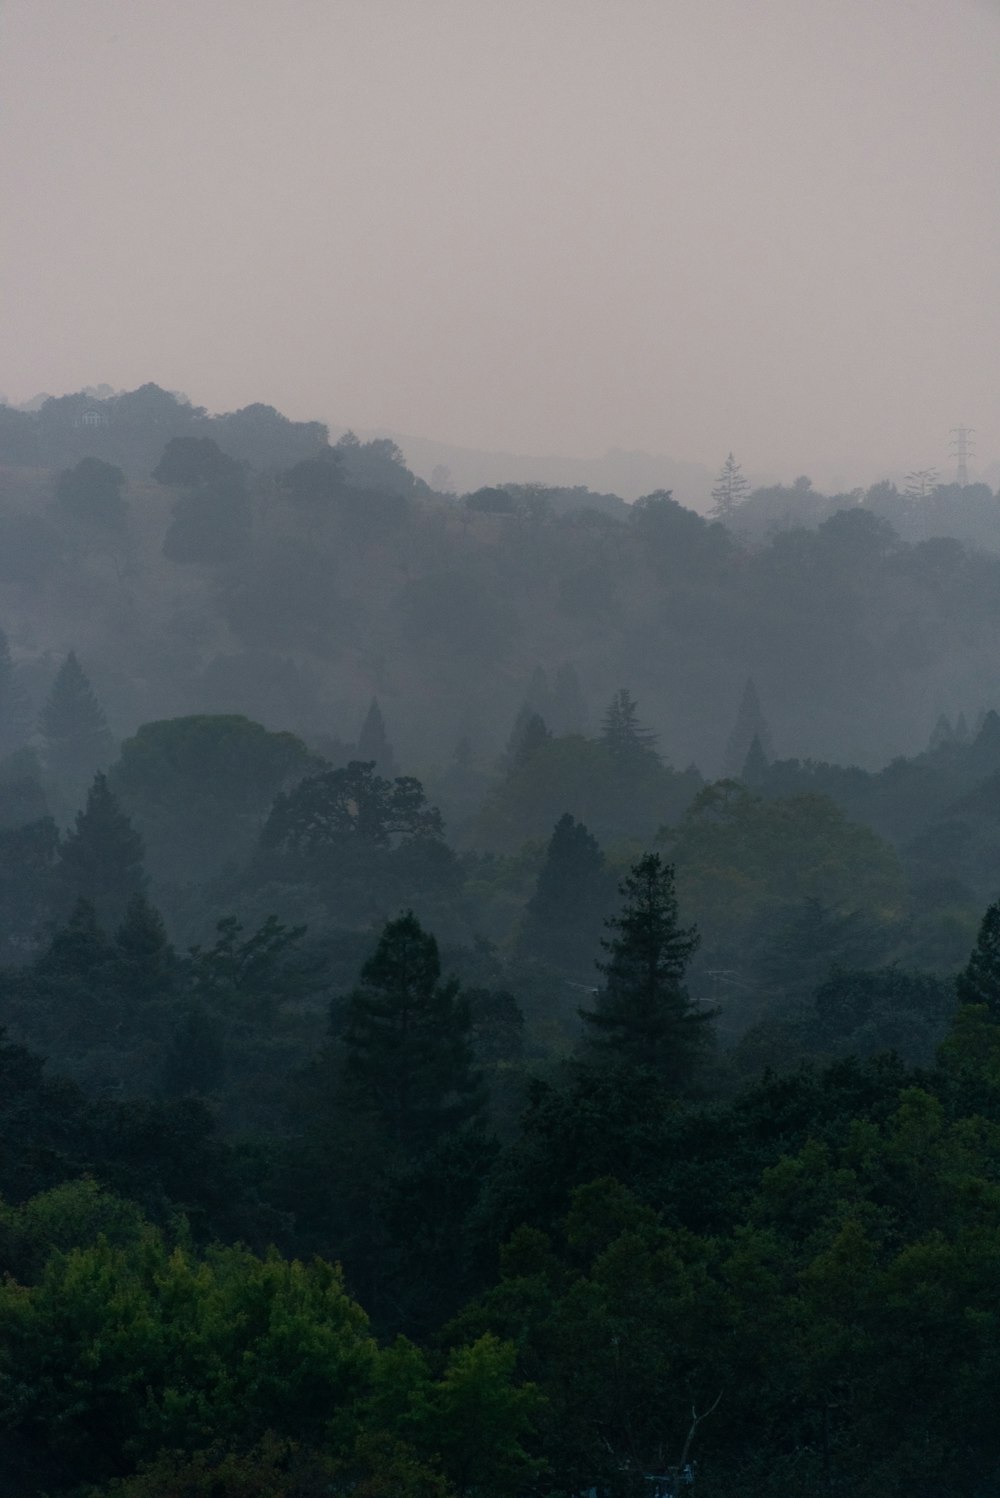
351,805
980,981
627,743
74,729
407,1046
579,774
211,519
101,858
199,788
574,891
91,493
643,1016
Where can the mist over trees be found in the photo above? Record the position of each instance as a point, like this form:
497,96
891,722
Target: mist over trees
501,991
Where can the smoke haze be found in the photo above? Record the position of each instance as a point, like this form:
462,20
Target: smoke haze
681,227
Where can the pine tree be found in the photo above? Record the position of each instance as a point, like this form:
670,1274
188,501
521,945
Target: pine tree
528,735
101,858
626,742
750,724
75,730
979,983
373,742
407,1041
644,1016
730,491
563,917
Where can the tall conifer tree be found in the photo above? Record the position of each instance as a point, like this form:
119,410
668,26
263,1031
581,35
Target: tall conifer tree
626,741
563,919
979,982
373,742
750,724
77,739
101,858
408,1049
644,1016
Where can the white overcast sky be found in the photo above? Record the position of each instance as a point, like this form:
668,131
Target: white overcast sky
537,225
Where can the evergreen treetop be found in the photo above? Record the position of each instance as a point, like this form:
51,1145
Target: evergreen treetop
101,858
644,1016
621,733
750,724
730,490
979,982
564,915
73,725
373,742
408,1053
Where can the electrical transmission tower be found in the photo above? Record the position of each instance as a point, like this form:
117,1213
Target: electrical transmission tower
962,450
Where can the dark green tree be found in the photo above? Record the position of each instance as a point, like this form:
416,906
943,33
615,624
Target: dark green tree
407,1043
92,494
316,483
101,858
250,977
200,787
210,521
750,724
74,729
528,735
623,737
644,1016
563,918
979,982
349,806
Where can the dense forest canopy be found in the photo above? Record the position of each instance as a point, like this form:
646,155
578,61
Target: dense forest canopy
501,991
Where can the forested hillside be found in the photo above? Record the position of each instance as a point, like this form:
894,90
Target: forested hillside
501,991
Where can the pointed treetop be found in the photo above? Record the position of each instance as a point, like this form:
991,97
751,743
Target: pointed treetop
408,1056
73,725
979,983
373,741
943,733
730,490
563,918
101,858
621,733
529,734
750,724
644,1016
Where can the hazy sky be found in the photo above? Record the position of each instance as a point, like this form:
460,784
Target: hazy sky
539,225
